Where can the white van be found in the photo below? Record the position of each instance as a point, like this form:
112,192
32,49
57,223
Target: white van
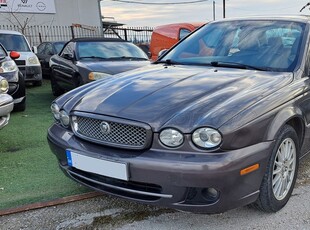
28,62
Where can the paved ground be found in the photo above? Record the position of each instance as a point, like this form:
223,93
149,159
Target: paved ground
110,213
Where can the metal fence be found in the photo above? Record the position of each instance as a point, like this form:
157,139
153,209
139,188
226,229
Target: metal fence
38,34
133,34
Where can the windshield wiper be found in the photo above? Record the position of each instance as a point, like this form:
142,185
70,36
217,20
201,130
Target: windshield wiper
127,58
93,57
235,65
169,62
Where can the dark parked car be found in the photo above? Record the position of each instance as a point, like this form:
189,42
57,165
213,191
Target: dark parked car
45,51
86,59
6,103
10,71
220,121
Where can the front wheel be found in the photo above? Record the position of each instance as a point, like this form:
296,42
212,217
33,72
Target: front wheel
56,90
78,81
281,173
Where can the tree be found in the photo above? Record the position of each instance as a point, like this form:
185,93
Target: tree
17,19
308,4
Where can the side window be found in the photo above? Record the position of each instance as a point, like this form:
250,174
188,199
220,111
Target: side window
49,49
41,48
68,51
183,33
2,52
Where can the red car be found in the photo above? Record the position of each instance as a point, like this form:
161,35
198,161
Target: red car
165,36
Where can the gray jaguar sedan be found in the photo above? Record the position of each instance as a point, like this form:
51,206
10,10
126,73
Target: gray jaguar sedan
221,120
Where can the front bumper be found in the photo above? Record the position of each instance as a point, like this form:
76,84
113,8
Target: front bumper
31,73
6,106
170,178
16,86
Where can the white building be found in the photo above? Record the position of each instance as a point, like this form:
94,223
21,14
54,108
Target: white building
61,20
47,20
50,12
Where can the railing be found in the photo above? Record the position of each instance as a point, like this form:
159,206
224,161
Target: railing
38,34
133,34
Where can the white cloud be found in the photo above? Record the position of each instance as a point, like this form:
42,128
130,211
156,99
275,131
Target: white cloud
150,15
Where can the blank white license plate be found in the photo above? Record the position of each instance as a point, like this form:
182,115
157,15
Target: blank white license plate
107,168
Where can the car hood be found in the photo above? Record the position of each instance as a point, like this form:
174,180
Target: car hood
112,67
179,96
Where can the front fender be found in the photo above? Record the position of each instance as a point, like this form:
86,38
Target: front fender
286,116
264,128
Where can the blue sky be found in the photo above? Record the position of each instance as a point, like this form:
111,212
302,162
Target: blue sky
154,15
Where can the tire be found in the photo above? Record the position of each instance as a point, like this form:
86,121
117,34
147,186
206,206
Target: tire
20,93
56,90
280,177
37,83
20,106
78,81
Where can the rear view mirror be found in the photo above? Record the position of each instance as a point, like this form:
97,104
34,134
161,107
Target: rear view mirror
14,55
162,52
149,54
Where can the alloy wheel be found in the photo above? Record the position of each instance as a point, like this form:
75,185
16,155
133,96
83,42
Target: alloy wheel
284,169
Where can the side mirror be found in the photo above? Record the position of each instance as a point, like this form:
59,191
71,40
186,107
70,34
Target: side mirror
68,56
162,52
149,54
14,55
35,49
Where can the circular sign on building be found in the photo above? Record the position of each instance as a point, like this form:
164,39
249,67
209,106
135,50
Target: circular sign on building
41,6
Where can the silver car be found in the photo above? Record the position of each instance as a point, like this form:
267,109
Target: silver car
6,103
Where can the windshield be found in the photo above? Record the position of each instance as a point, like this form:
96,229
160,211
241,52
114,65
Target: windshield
263,45
59,46
2,53
109,50
14,42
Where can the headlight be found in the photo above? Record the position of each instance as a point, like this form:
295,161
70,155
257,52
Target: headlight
4,86
96,75
33,60
55,111
8,66
64,118
171,137
207,138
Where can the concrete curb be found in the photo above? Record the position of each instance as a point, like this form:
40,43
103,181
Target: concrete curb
59,201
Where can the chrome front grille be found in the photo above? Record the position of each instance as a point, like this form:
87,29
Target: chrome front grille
110,132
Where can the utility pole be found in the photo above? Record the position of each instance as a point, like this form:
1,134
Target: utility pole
100,18
213,10
224,10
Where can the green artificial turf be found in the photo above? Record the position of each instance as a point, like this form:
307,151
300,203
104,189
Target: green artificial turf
29,171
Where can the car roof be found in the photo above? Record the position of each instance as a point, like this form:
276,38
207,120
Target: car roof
97,39
297,18
54,42
10,32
